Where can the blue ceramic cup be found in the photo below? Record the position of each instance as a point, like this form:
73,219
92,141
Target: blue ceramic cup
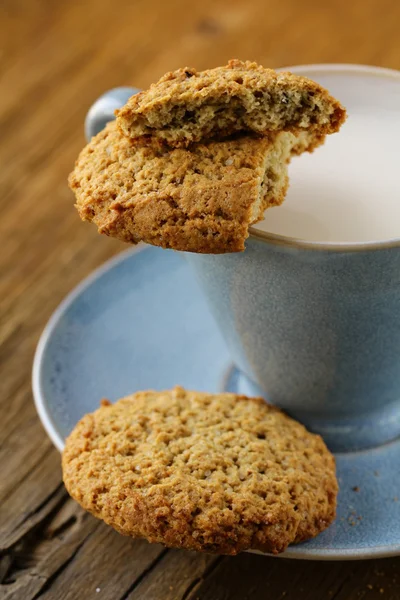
312,326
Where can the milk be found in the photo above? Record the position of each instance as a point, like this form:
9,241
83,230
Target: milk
348,190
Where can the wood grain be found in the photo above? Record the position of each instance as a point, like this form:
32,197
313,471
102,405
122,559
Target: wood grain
56,58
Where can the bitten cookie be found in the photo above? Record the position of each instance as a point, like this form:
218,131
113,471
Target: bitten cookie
209,472
201,199
189,106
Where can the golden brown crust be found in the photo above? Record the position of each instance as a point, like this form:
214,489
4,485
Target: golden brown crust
213,473
188,106
201,199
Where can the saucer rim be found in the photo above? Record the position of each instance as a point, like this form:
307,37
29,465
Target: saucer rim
293,242
37,388
295,552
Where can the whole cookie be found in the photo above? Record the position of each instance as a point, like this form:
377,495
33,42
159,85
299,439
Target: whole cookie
209,472
188,106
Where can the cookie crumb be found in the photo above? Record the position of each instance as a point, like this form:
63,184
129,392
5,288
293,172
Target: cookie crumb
105,402
355,488
353,518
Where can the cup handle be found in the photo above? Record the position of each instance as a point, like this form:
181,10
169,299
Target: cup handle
102,111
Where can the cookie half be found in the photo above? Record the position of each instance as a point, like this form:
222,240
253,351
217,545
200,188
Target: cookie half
210,472
188,106
201,199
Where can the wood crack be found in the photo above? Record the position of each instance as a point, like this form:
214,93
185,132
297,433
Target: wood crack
48,581
341,586
44,504
137,581
196,583
35,518
43,553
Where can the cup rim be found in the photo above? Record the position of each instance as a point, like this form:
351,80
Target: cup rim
293,242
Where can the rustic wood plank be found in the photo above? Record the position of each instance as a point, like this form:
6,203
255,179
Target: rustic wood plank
107,562
256,577
55,59
31,499
177,574
46,550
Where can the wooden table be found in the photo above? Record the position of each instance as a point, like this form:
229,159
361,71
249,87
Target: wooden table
55,59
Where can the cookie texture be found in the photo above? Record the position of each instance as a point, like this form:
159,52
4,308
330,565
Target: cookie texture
210,472
188,106
200,199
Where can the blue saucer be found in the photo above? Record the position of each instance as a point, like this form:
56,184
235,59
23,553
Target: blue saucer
141,322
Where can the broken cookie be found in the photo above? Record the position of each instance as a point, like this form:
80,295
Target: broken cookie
188,106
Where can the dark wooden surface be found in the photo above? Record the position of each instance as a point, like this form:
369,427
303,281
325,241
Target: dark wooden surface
55,59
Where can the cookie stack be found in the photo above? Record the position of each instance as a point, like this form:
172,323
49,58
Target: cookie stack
192,162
